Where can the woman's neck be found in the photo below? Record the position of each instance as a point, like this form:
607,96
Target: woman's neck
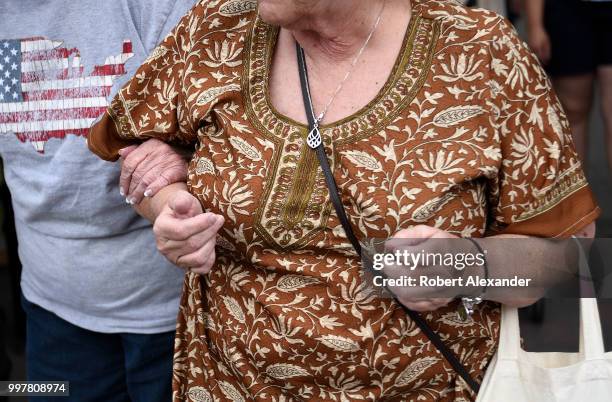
330,49
337,29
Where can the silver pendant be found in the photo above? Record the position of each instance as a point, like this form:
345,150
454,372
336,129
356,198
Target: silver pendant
466,308
314,138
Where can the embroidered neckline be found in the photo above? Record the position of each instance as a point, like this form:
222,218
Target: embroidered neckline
295,207
407,76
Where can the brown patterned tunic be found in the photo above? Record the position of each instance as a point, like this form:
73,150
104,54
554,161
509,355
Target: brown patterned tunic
466,136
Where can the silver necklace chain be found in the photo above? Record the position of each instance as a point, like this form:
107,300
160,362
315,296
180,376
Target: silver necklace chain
321,116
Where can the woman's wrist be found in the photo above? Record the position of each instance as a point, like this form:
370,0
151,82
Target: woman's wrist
151,207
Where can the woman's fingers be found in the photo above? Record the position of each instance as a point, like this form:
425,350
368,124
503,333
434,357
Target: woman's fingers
157,184
204,269
173,171
155,172
175,231
130,160
186,237
199,239
419,307
425,305
124,152
184,205
194,250
138,187
199,258
153,161
194,243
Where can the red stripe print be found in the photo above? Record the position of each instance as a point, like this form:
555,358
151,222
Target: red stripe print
57,53
45,135
50,115
108,69
49,75
72,93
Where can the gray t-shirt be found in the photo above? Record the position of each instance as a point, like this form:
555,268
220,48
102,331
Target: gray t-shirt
86,255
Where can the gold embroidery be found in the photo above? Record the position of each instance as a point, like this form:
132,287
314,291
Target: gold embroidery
570,182
301,191
123,121
295,204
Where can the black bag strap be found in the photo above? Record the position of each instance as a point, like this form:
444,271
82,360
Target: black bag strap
337,202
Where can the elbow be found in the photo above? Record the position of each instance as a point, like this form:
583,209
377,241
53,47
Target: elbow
104,140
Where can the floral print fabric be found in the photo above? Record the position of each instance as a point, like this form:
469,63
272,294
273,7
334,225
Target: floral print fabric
466,136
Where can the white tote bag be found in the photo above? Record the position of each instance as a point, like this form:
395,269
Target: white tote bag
515,375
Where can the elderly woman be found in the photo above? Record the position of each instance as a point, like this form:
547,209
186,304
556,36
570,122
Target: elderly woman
437,122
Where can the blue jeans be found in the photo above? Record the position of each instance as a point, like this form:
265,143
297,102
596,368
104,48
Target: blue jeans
100,367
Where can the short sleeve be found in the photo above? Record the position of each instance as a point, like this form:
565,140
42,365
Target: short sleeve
540,189
151,104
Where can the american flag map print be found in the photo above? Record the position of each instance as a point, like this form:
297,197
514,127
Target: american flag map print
44,93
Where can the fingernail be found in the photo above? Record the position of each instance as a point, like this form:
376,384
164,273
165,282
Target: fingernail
121,191
212,218
148,193
130,201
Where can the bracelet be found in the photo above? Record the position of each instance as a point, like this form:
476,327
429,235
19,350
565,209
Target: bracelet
466,308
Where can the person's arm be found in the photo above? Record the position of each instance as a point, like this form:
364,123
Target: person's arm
548,263
149,167
538,37
539,194
184,233
545,262
535,13
150,207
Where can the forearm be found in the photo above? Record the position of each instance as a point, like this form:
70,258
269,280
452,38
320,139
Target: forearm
150,207
504,262
546,262
535,13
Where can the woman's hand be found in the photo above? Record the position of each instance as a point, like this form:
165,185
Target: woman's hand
410,297
149,167
185,235
539,42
